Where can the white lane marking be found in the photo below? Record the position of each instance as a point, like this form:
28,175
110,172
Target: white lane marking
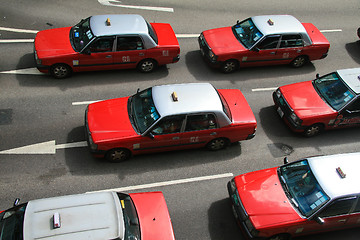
16,40
187,35
331,30
27,71
167,183
85,102
18,30
48,147
264,89
116,3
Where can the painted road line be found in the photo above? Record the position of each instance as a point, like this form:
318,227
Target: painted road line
187,35
331,30
116,3
16,40
18,30
264,89
167,183
48,147
26,71
85,102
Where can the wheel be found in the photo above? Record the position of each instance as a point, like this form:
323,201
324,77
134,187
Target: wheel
217,144
117,155
282,236
146,65
60,71
299,61
229,66
358,32
313,130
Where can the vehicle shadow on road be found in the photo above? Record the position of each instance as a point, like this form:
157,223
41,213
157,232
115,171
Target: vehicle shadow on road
81,79
222,223
203,72
285,141
81,162
353,50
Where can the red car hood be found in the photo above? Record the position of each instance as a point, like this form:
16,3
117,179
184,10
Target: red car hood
53,42
240,110
166,35
222,40
304,100
109,120
154,217
264,199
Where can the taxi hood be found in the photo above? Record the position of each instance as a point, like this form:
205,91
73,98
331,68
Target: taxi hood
222,40
304,100
154,217
53,42
264,199
109,120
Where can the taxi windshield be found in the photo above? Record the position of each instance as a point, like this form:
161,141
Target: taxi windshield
11,223
81,35
247,33
131,220
335,92
143,110
302,187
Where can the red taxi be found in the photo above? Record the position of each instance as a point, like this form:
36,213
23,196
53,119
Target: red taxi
99,215
168,117
263,40
314,194
106,42
331,101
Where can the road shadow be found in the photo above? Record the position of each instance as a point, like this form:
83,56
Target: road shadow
222,223
81,162
203,72
285,141
353,50
78,80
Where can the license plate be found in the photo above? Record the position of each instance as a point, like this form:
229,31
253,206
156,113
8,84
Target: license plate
280,112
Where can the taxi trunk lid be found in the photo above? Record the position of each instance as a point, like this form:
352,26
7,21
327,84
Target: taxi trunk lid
315,35
166,35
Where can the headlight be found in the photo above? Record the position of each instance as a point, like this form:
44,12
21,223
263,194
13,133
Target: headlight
295,119
38,61
212,56
278,93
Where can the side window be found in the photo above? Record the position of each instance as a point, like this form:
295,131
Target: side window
200,122
291,41
269,42
338,207
102,45
129,43
168,125
354,106
357,206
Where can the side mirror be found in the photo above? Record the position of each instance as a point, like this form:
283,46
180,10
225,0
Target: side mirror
87,52
286,161
138,90
255,49
16,202
319,220
151,135
317,76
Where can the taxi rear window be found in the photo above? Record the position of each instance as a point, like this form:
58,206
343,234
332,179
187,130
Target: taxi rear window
225,105
152,33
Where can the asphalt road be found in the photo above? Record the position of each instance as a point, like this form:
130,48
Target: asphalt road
39,109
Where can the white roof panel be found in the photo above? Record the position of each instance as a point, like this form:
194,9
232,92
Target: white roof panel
281,24
351,77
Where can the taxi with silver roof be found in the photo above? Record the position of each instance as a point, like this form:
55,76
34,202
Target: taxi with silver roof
100,215
263,40
105,42
168,117
331,101
314,194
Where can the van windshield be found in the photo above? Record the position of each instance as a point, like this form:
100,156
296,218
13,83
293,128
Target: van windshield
11,223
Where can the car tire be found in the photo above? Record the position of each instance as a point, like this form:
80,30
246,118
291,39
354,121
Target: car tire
313,130
299,61
147,65
217,144
60,71
282,236
117,155
229,66
358,32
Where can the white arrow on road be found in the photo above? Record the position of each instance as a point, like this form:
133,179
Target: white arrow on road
43,148
117,3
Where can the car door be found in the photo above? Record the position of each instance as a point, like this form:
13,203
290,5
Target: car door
264,53
350,115
333,216
129,51
97,56
199,130
165,135
291,46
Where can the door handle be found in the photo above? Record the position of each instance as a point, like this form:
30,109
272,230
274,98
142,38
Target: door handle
141,54
342,221
213,133
108,56
175,138
272,53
